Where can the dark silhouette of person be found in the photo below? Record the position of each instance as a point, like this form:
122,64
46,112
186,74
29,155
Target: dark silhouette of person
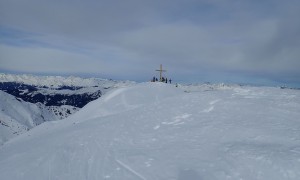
156,79
170,80
166,80
153,80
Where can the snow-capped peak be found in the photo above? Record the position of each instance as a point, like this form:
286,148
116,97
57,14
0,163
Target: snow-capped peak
54,81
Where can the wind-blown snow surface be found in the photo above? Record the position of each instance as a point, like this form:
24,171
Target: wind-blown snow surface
156,131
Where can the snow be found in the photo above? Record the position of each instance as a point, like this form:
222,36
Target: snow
62,112
126,98
18,116
59,81
157,131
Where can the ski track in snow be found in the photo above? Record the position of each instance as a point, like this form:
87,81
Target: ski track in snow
212,107
177,120
211,135
130,169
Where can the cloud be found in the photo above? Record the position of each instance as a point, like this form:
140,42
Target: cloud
193,38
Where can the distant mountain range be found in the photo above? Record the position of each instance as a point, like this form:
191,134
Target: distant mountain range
56,90
45,98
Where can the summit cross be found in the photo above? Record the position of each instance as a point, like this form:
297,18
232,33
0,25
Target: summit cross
160,72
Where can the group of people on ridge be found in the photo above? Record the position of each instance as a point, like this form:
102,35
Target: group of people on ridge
163,79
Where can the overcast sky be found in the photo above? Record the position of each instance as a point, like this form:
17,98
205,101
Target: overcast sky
238,41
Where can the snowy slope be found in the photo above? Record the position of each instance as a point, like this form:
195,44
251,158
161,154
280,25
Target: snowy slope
18,116
156,131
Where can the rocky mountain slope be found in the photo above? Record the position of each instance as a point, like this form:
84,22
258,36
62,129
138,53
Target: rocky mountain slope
18,116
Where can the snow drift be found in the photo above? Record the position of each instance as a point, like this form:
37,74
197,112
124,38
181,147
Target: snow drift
156,131
127,98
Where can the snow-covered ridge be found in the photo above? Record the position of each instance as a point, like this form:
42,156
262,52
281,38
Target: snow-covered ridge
223,86
18,116
156,131
56,81
128,98
207,87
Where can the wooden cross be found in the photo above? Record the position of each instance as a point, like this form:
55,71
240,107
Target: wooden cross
160,72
